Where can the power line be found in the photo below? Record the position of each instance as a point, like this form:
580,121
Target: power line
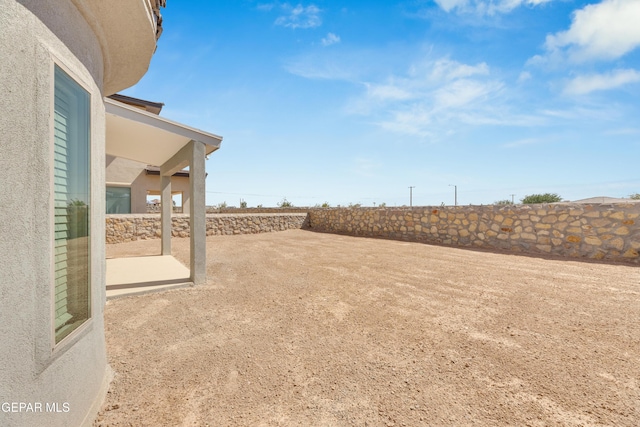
243,194
262,195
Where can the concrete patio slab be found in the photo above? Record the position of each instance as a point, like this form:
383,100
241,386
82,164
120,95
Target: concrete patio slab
144,274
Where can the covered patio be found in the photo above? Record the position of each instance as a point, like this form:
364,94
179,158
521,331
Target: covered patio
144,137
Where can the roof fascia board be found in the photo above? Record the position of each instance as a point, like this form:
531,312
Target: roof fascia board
137,102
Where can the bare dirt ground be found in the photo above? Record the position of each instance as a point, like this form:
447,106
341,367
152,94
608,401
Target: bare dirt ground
304,329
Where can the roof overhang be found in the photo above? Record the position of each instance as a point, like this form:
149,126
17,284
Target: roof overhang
142,104
127,31
137,135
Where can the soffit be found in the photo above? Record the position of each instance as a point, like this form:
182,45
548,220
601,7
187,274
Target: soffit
137,135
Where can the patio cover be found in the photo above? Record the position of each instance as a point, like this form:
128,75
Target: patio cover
138,135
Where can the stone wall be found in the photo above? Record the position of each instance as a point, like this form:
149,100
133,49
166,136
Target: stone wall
125,228
230,210
597,231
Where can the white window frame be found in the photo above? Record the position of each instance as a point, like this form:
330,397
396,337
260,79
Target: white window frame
87,325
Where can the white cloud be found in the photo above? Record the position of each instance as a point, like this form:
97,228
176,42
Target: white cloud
484,7
445,69
449,5
433,98
524,76
415,121
330,39
583,85
446,82
440,92
463,92
603,31
323,68
442,76
581,113
299,16
389,91
331,64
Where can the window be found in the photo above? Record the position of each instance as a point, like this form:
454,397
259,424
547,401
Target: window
118,200
71,175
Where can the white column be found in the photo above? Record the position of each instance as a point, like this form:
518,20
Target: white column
193,155
197,214
165,215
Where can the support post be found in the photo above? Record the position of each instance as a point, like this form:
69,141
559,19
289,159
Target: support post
186,203
455,189
166,204
197,214
192,154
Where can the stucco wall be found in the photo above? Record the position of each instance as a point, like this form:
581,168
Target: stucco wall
598,231
34,34
126,228
126,31
129,173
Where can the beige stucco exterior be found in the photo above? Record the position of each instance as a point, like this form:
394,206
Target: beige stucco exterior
126,32
104,47
129,173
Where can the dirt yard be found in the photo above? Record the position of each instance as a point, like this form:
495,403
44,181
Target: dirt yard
304,329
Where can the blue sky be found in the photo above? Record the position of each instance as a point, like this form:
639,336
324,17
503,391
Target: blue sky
353,102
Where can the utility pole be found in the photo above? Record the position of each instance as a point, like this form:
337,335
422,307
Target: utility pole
411,195
455,188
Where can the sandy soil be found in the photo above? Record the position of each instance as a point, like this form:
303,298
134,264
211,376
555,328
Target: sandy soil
306,329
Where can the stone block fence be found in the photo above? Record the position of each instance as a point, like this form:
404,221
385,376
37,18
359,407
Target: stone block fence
594,231
231,210
598,231
126,228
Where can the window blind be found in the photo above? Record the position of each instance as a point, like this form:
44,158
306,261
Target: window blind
71,181
61,196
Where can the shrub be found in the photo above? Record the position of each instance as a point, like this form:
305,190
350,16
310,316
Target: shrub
635,196
285,203
541,198
503,202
